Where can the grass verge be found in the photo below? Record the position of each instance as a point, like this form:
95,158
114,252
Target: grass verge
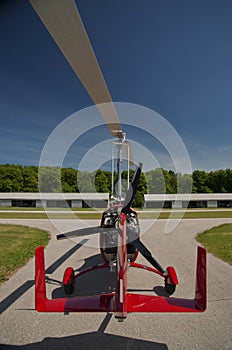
218,241
41,209
60,216
97,216
187,215
17,246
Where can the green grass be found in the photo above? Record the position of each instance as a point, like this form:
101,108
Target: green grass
46,209
63,216
187,215
17,246
96,215
218,241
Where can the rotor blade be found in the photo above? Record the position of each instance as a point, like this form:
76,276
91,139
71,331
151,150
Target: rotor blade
86,231
132,189
128,151
63,21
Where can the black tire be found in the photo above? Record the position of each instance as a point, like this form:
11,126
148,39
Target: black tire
169,288
68,280
69,288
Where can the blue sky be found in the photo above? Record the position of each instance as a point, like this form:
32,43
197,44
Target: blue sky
174,57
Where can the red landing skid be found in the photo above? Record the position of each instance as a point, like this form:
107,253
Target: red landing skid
121,302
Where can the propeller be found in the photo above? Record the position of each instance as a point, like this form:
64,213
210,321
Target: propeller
132,189
125,209
87,231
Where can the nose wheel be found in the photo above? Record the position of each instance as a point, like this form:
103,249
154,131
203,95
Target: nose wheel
170,280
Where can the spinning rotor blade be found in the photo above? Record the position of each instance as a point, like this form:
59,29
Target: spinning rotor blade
63,21
132,189
87,231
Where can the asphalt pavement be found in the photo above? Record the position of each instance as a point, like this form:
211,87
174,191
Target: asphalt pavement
21,327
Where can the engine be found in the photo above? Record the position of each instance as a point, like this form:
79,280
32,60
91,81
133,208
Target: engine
109,237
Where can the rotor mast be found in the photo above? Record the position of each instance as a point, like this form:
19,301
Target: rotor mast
119,144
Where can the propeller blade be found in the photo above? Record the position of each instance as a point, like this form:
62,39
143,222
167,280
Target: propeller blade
63,21
147,254
79,233
87,231
132,189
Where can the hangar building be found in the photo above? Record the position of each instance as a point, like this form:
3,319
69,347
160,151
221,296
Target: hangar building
55,200
185,200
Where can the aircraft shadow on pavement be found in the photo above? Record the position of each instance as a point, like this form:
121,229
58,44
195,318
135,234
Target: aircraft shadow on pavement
97,281
91,283
93,340
16,294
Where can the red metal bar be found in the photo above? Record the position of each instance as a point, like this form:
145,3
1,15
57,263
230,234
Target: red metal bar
92,268
148,303
147,268
94,303
40,286
121,287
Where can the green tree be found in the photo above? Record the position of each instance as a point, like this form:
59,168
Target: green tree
217,181
6,185
138,201
184,183
30,179
155,181
109,179
86,181
172,182
228,180
201,182
102,182
50,179
69,180
11,178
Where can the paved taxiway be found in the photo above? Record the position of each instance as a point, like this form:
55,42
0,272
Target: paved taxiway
21,327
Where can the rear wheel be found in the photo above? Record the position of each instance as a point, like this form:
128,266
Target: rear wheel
68,281
169,288
69,289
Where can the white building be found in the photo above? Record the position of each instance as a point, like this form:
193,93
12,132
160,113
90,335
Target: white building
192,200
101,200
55,200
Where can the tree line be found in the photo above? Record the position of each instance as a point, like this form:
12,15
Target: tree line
18,178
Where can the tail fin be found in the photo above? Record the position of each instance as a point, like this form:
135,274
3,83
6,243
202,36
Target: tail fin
200,289
40,286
